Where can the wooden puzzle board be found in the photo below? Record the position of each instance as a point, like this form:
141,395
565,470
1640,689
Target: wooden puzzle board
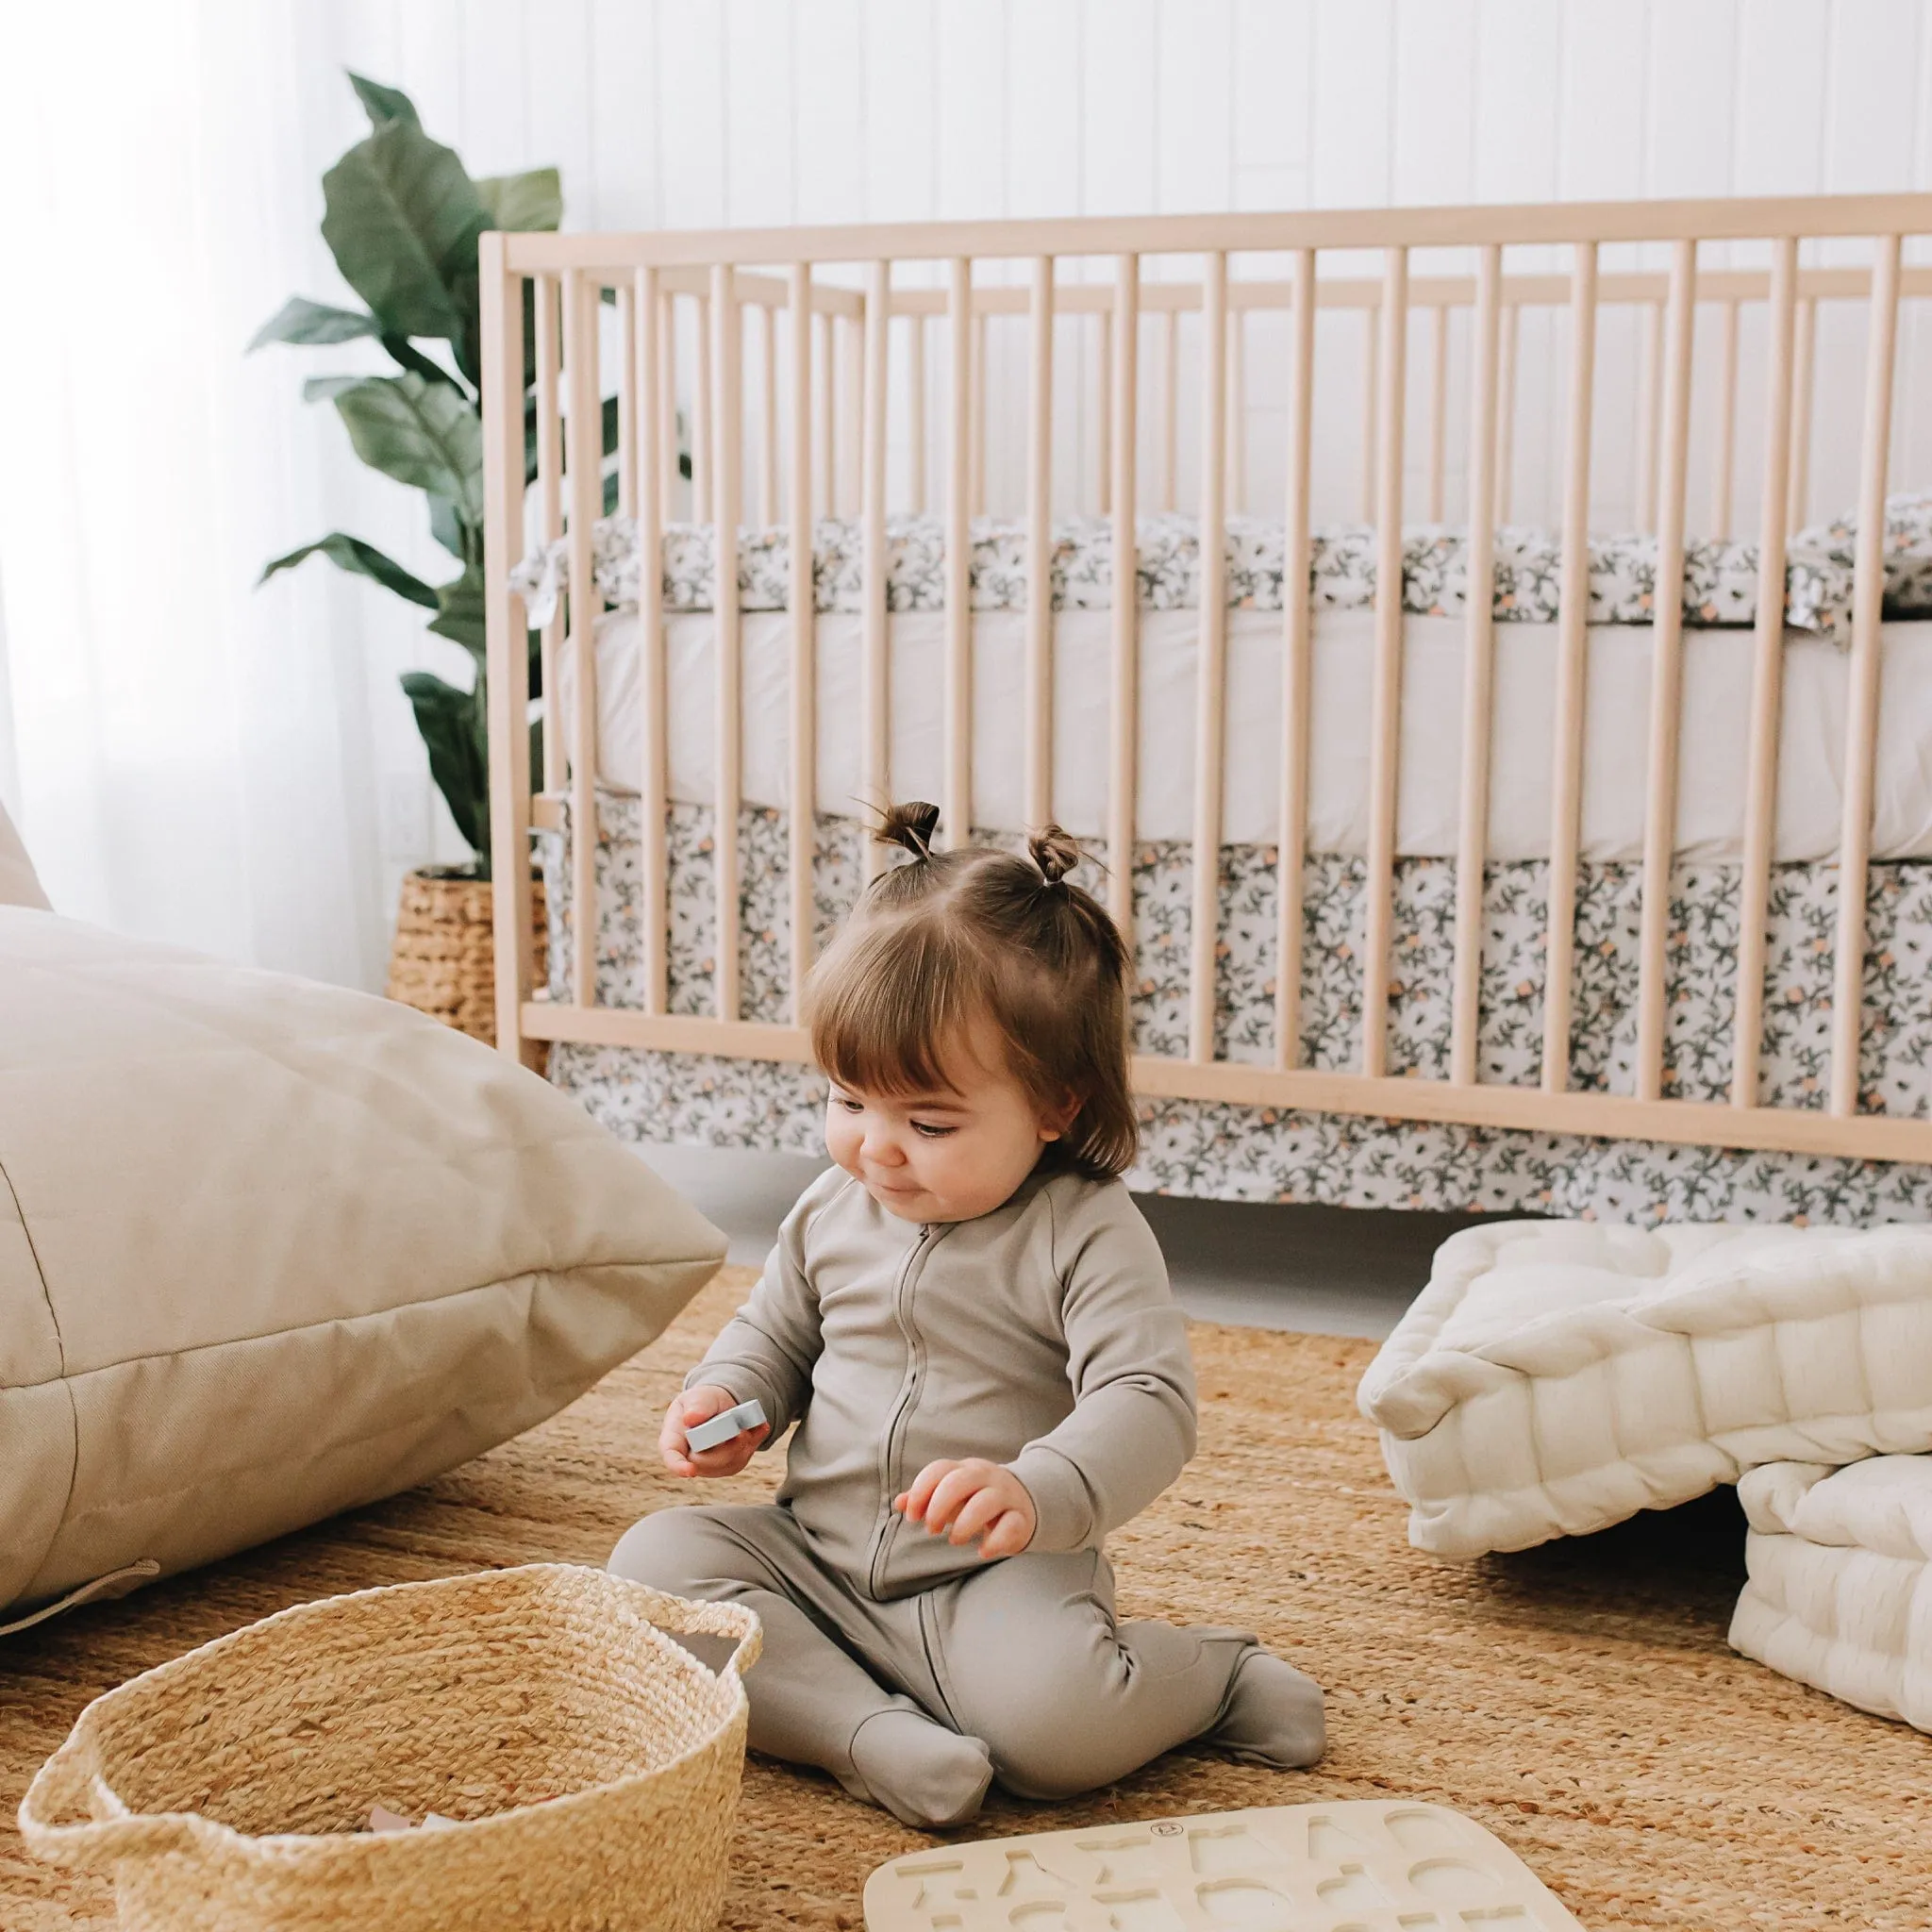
1387,1866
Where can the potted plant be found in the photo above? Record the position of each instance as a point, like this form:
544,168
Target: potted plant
402,219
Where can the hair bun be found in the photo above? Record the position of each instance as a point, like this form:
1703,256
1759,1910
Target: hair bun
1055,852
912,825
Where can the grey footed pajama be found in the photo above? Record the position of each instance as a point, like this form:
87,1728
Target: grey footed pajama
1043,1336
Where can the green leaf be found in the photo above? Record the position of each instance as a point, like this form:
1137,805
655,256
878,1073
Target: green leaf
524,203
405,354
460,612
325,389
384,104
402,221
299,320
421,433
454,734
447,528
362,559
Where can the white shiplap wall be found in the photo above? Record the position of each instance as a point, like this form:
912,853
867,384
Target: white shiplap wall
705,112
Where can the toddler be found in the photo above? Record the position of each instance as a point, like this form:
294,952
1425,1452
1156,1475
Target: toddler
970,1324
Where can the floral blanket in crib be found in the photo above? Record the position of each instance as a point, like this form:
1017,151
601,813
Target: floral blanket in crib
1239,1153
1719,579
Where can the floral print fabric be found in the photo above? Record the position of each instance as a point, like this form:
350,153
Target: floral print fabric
1720,579
1908,551
1240,1153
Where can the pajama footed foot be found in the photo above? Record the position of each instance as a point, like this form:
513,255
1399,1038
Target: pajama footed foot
1273,1715
925,1775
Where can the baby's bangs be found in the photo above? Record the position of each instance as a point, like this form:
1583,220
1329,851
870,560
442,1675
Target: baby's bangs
885,1003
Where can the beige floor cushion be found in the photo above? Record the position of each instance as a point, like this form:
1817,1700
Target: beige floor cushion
270,1249
1839,1587
19,883
1558,1376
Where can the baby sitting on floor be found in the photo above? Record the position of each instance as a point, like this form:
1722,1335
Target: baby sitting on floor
969,1322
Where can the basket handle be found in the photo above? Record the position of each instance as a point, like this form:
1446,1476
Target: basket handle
677,1614
64,1787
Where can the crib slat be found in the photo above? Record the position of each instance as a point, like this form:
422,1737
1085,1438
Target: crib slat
768,420
1296,666
727,379
801,599
666,454
1386,703
585,453
1804,361
1767,678
1371,397
544,292
1439,408
1118,365
1479,671
1566,792
828,420
654,910
501,301
1861,713
854,387
956,816
701,491
1648,395
1236,486
1038,697
1103,416
976,398
915,389
1211,691
876,699
1170,411
627,401
1666,676
1724,458
1505,417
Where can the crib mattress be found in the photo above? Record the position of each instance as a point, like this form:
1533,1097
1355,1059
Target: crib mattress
1556,1377
1839,1588
1712,778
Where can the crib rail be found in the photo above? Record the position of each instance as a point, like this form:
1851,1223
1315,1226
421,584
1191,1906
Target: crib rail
792,380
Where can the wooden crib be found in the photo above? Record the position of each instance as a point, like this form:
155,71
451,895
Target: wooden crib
797,389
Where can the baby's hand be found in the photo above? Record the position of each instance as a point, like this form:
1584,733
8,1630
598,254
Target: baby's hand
686,1412
974,1498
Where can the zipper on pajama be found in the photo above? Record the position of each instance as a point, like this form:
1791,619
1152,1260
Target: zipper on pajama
909,1394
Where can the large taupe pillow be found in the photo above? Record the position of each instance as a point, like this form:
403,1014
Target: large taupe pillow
19,884
270,1249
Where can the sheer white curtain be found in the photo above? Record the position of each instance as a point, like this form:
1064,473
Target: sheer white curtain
189,757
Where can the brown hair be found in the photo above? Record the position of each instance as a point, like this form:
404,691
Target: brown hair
971,932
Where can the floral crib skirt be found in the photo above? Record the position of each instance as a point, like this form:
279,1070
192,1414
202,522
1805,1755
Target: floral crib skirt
1223,1152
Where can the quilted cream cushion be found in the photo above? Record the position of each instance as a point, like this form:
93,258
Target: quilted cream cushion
270,1249
1558,1376
1840,1592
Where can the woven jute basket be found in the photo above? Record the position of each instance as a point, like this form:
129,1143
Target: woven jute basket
591,1765
443,960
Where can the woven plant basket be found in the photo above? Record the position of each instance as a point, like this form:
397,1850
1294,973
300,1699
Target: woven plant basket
591,1765
444,959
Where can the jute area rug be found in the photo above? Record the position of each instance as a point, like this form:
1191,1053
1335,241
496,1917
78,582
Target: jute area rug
1580,1700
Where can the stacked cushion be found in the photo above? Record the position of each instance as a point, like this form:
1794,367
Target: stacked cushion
1840,1592
270,1249
1558,1376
